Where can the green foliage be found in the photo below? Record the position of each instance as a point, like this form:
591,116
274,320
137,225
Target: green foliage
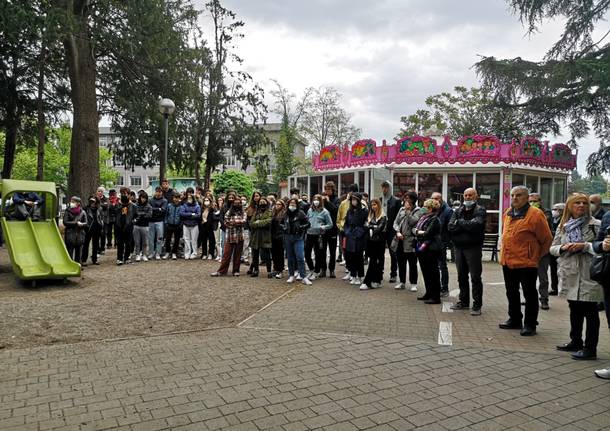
466,112
284,153
233,180
571,85
588,185
57,160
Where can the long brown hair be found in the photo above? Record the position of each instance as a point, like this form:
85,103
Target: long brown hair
321,206
376,214
567,211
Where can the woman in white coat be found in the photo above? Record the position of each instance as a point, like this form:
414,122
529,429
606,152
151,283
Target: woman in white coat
573,247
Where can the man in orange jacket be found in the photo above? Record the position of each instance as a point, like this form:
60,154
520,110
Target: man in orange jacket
526,237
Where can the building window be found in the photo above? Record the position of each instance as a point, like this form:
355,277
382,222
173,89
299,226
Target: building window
121,180
151,179
316,185
518,180
428,184
135,181
456,185
546,192
346,181
488,187
531,182
559,192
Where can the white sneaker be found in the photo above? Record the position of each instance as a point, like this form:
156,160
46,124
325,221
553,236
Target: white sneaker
355,281
165,256
299,278
204,257
364,287
313,276
296,273
174,257
145,259
376,285
307,282
347,277
119,262
413,288
290,279
604,373
218,259
342,263
138,258
399,286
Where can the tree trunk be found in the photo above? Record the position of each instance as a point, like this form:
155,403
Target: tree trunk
41,122
84,173
10,144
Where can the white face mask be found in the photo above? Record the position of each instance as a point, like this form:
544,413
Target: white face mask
316,203
244,203
292,208
593,208
73,204
207,204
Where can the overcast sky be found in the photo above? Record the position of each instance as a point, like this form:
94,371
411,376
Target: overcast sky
384,56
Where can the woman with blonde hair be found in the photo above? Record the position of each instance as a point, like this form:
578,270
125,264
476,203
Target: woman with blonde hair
428,248
573,247
375,246
319,222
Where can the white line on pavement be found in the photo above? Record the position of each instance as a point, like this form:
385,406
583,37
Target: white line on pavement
444,334
447,307
268,305
498,283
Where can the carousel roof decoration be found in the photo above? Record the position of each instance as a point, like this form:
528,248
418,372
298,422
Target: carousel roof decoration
478,149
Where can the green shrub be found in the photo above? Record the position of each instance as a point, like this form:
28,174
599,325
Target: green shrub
233,180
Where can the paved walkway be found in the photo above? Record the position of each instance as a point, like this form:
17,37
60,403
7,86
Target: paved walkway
322,357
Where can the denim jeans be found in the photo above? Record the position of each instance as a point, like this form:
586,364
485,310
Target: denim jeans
155,237
295,252
140,238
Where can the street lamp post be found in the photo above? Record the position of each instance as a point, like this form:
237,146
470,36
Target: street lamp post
167,108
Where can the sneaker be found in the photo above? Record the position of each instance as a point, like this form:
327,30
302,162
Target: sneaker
444,293
332,274
376,285
278,275
413,288
475,312
236,274
322,274
174,257
364,287
459,306
307,282
399,286
393,279
299,278
165,256
215,274
604,373
341,263
138,258
204,257
544,305
290,279
145,259
347,278
193,256
313,276
157,256
119,262
355,281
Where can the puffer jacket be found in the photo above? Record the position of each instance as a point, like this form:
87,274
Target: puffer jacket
159,209
172,217
525,238
190,214
573,268
377,229
404,223
74,234
355,229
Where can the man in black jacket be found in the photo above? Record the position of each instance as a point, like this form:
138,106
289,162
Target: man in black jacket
331,203
444,215
391,206
467,230
602,245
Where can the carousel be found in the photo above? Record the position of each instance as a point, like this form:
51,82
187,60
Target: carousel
427,164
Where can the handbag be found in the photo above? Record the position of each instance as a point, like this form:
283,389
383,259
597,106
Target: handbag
600,268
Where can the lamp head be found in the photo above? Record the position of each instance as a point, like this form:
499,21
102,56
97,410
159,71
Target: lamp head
166,106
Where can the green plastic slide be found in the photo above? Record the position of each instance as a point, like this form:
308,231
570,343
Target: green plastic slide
36,249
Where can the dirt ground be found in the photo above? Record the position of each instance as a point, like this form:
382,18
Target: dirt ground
109,301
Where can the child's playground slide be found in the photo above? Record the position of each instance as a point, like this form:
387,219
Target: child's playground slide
36,248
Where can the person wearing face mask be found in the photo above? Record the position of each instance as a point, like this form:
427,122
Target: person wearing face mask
95,225
319,222
573,245
75,222
597,210
277,238
190,214
355,229
140,229
556,213
235,219
375,247
467,230
173,227
208,226
249,209
157,225
344,207
123,228
218,232
295,224
543,267
404,241
260,236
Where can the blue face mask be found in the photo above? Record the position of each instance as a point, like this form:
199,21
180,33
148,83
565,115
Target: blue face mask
469,204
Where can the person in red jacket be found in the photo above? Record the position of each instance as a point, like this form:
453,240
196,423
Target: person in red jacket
526,238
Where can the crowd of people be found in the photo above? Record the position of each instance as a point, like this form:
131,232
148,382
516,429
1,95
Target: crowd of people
358,232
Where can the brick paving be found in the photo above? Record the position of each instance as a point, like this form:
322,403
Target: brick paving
323,357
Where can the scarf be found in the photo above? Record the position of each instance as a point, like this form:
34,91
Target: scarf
573,229
422,221
75,210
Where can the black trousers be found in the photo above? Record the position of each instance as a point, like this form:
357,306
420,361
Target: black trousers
554,277
469,261
375,250
109,231
393,258
277,254
526,279
208,241
175,232
257,253
402,258
317,244
354,261
331,243
428,262
92,236
102,238
74,251
341,250
124,243
579,311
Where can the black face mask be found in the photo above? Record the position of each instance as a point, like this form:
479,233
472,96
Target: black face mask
124,199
